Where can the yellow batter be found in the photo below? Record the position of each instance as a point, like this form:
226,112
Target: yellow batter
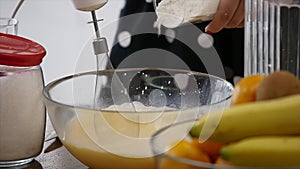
83,138
85,150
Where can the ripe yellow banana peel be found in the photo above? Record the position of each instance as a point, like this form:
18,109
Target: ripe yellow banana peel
264,151
279,116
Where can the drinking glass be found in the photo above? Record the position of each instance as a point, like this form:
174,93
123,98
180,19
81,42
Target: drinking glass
9,26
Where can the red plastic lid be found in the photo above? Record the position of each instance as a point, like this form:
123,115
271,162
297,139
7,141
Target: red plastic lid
18,51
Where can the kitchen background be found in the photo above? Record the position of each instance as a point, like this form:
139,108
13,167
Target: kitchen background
62,30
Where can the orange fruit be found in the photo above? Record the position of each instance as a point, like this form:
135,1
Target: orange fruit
210,148
183,149
245,90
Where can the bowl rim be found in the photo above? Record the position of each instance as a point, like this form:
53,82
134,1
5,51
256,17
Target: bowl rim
195,163
49,86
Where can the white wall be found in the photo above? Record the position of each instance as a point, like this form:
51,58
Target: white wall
61,29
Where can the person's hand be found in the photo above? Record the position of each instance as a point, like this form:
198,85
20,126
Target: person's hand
230,14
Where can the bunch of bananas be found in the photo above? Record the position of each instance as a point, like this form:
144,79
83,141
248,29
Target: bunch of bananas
256,133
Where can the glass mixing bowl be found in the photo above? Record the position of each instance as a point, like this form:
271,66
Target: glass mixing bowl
166,138
100,128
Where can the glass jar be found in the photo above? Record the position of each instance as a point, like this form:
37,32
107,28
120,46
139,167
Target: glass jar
272,34
9,25
22,111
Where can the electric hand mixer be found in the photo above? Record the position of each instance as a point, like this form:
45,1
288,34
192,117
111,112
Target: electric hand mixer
100,43
101,51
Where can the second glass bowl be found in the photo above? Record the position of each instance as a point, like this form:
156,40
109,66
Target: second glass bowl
167,138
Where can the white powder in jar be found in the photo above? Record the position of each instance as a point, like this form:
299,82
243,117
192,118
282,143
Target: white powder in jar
22,113
173,13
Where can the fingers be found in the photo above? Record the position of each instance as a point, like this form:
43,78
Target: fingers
238,16
230,14
241,25
223,15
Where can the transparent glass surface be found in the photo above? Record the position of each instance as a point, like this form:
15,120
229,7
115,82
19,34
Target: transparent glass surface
110,135
22,114
163,140
9,26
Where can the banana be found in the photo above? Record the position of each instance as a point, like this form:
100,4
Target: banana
264,151
271,117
